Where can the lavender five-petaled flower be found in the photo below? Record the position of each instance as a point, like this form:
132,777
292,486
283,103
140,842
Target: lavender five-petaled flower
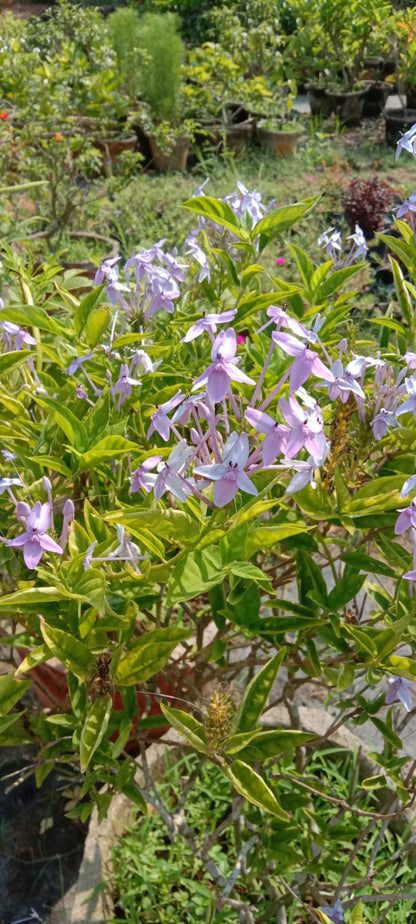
210,323
143,479
170,476
344,383
124,385
223,368
306,361
408,486
34,541
381,422
336,913
408,142
275,433
410,403
160,419
409,205
358,238
332,242
229,475
406,519
400,688
306,428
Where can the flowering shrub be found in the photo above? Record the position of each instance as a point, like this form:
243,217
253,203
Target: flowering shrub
178,447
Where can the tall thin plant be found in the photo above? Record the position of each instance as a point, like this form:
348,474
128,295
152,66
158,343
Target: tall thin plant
161,72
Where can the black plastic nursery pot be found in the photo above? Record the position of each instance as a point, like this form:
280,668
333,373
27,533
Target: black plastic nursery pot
397,122
375,98
319,102
348,106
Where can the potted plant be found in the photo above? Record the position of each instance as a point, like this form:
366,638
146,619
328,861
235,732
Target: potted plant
279,131
163,115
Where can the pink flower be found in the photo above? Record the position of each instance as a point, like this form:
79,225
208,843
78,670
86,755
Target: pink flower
280,261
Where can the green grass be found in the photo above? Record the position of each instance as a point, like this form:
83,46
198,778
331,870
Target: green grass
159,882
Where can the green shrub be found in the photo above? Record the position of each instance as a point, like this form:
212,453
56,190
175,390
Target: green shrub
161,73
124,31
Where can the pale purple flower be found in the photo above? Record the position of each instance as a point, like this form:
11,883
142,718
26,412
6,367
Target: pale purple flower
194,249
249,204
332,242
68,516
406,519
358,238
170,476
344,383
143,479
336,913
161,292
183,412
141,360
382,421
409,205
410,358
12,332
6,483
306,361
229,475
283,319
160,419
35,541
400,688
77,363
275,434
305,474
407,142
210,323
124,385
107,271
408,486
142,262
223,368
410,403
306,428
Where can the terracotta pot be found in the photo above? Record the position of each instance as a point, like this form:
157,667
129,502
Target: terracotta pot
280,143
239,135
318,101
176,160
111,148
375,98
397,122
348,106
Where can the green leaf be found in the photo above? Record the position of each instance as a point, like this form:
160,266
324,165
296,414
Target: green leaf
96,325
402,293
168,524
273,742
374,782
337,280
281,219
148,655
390,323
257,693
266,537
9,361
134,796
404,667
32,596
357,914
217,211
251,786
190,729
345,591
195,574
91,588
82,313
94,729
249,572
66,420
10,691
359,561
71,652
110,447
25,315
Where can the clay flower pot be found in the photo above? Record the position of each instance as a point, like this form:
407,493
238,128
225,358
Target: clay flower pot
111,147
175,160
279,141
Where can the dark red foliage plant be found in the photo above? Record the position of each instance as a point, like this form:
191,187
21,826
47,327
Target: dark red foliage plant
366,203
